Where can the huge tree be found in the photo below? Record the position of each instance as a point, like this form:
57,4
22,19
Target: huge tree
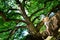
29,15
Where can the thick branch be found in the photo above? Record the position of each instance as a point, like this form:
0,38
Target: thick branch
24,14
30,25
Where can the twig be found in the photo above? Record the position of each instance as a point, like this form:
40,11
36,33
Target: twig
36,12
5,30
17,20
7,19
13,31
35,19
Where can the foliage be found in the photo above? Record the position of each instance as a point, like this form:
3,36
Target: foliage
33,8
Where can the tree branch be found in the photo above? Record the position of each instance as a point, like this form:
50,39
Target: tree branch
36,12
5,30
11,9
13,31
35,19
17,27
17,20
24,13
7,19
15,10
30,25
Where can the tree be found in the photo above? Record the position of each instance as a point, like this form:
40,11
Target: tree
26,14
